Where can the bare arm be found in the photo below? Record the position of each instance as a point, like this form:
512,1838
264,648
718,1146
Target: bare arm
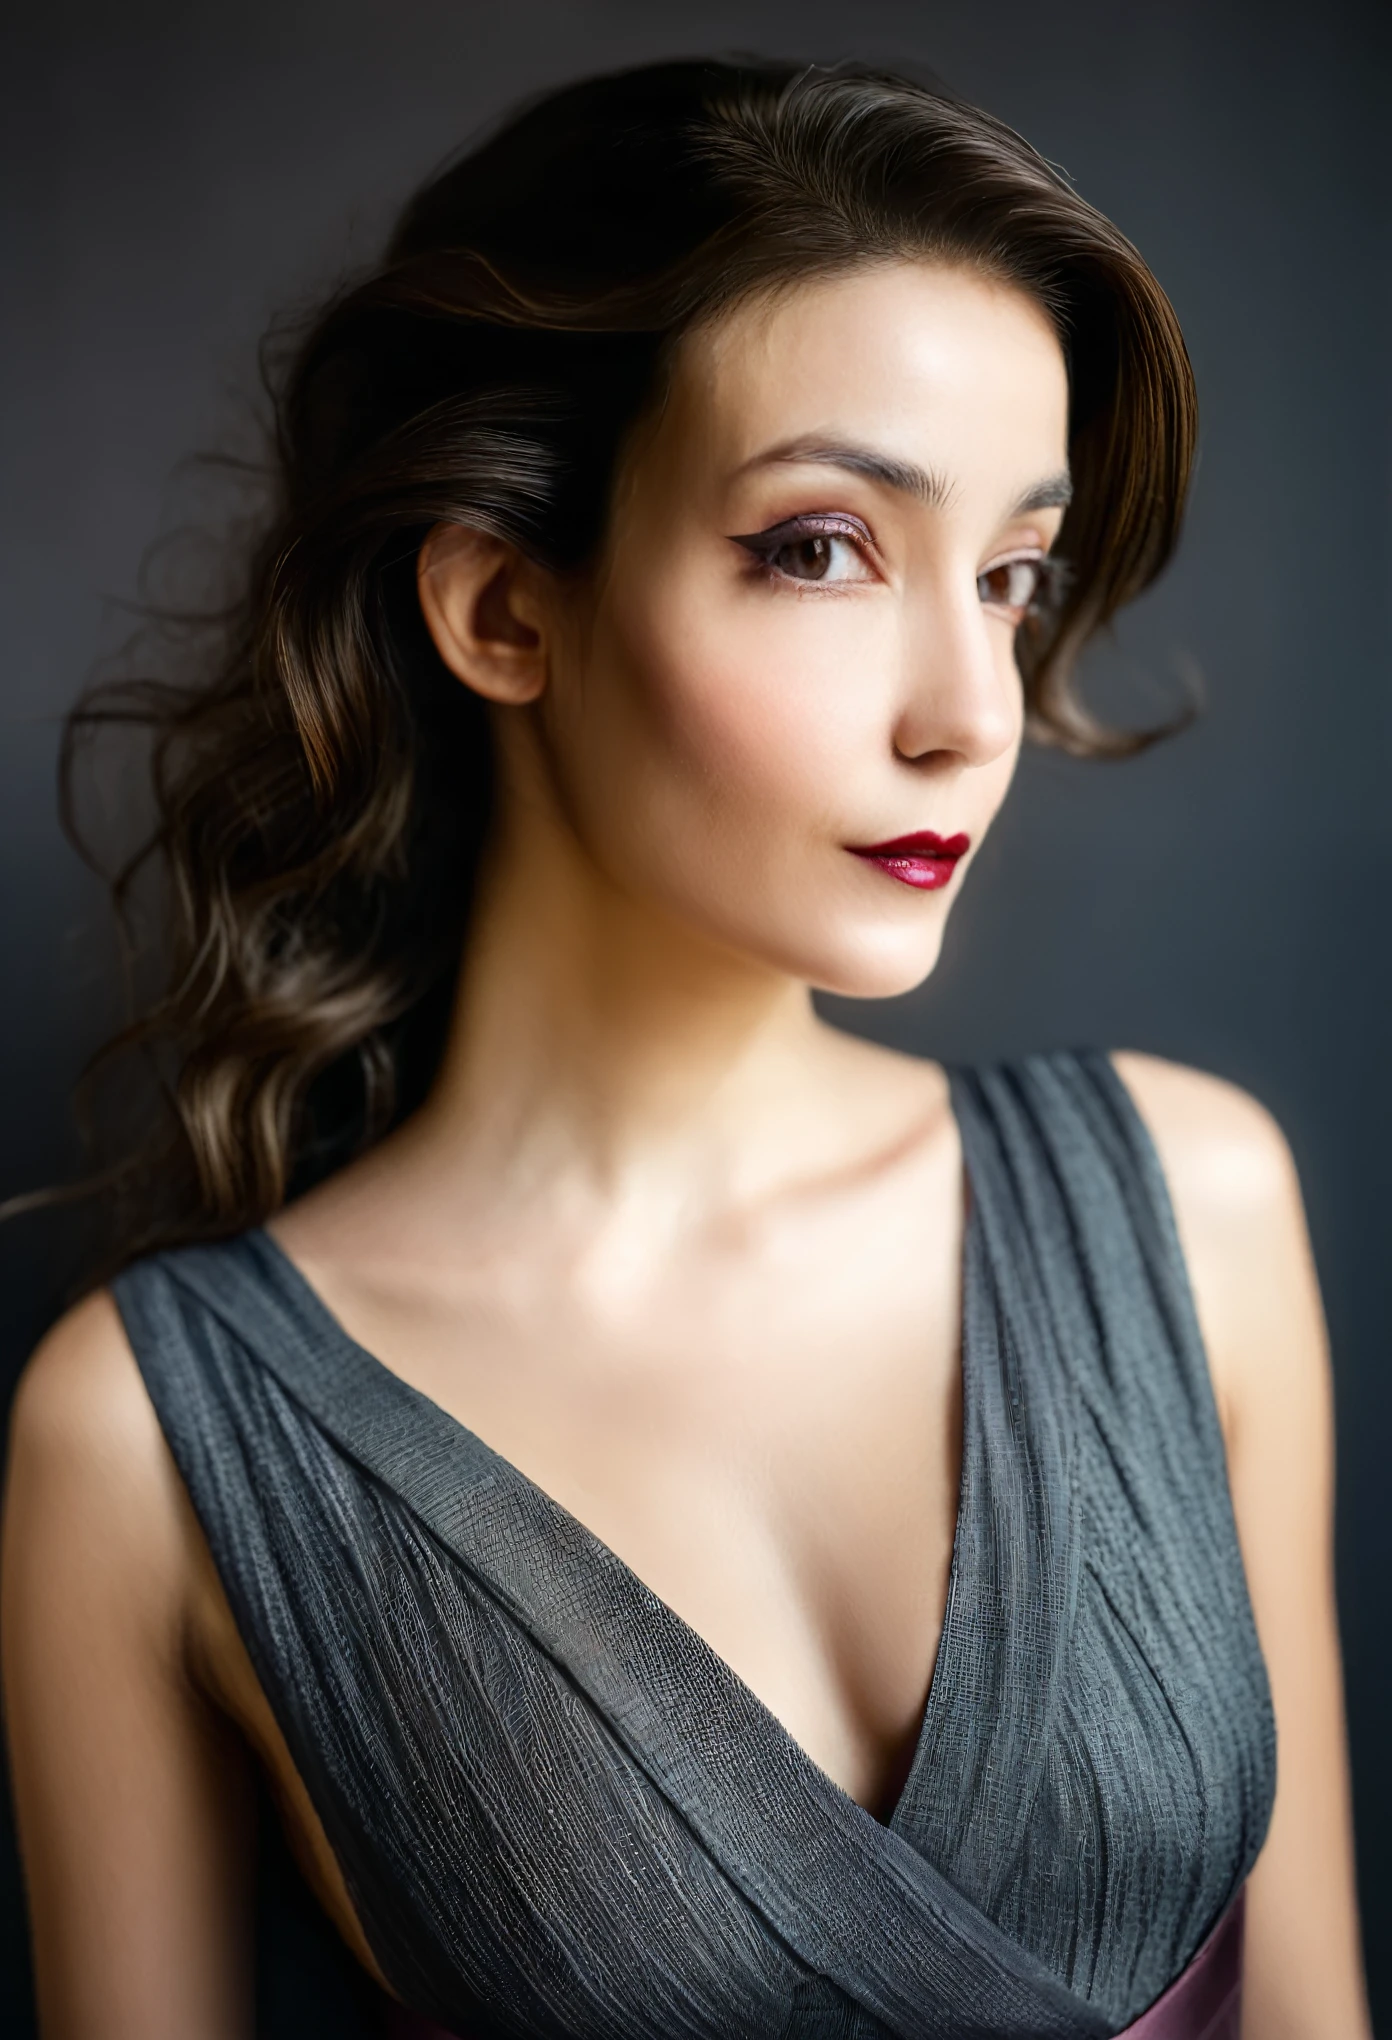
1239,1212
130,1790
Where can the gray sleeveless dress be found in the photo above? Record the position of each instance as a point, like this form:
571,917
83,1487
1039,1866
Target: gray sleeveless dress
559,1813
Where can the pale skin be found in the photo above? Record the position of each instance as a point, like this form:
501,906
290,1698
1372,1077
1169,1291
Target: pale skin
686,1255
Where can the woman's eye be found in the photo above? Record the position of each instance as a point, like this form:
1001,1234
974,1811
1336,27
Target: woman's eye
1014,586
821,556
796,552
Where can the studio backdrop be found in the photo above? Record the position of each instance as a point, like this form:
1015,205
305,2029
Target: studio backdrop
177,174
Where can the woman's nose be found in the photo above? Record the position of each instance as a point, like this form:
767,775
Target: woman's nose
961,687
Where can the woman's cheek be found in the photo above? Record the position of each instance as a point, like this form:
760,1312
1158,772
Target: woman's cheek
774,708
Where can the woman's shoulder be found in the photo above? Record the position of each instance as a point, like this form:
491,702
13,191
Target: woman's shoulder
81,1404
1226,1161
82,1399
1221,1140
93,1504
1241,1222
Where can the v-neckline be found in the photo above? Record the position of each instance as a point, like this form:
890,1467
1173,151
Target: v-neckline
477,1449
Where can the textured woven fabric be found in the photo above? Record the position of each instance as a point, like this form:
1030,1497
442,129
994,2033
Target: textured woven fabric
559,1813
1204,2004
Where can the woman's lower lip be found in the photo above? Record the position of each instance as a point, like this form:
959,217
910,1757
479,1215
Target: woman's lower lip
929,874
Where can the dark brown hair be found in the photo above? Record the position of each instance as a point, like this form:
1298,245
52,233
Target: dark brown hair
322,796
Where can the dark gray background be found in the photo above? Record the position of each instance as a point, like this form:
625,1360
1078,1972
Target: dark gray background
174,174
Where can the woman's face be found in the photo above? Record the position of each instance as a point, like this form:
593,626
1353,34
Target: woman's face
799,647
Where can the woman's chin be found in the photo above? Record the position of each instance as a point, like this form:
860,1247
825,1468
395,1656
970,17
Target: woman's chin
876,968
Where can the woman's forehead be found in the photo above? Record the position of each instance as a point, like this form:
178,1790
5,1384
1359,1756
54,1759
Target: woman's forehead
927,366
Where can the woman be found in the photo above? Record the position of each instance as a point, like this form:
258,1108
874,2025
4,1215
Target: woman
844,1627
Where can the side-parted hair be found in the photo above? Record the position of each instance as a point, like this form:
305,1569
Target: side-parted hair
323,793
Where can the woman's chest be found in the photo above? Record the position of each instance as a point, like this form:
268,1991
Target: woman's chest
767,1434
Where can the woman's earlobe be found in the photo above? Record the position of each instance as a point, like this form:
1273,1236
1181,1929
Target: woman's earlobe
480,608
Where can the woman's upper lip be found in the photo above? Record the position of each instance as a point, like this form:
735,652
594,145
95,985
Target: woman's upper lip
923,843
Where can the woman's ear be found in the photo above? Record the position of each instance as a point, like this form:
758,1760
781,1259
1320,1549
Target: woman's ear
479,596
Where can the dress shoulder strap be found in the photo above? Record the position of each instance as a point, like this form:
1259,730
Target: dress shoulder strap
1099,1650
1058,1153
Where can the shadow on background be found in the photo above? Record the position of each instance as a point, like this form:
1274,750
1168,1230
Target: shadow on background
175,174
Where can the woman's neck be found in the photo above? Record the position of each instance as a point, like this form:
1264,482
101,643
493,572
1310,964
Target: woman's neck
615,1086
598,1044
597,1037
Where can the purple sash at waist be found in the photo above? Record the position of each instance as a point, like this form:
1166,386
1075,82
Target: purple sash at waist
1205,2003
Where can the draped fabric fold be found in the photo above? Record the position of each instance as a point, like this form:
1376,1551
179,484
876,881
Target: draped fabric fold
1205,2003
558,1812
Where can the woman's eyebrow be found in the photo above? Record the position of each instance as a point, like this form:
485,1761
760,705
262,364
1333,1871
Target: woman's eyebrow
1055,492
1052,493
915,481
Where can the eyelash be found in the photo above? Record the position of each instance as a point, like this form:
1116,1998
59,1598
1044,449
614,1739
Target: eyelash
765,546
1050,575
1051,578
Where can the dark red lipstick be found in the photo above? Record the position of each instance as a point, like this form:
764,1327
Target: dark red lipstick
925,859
